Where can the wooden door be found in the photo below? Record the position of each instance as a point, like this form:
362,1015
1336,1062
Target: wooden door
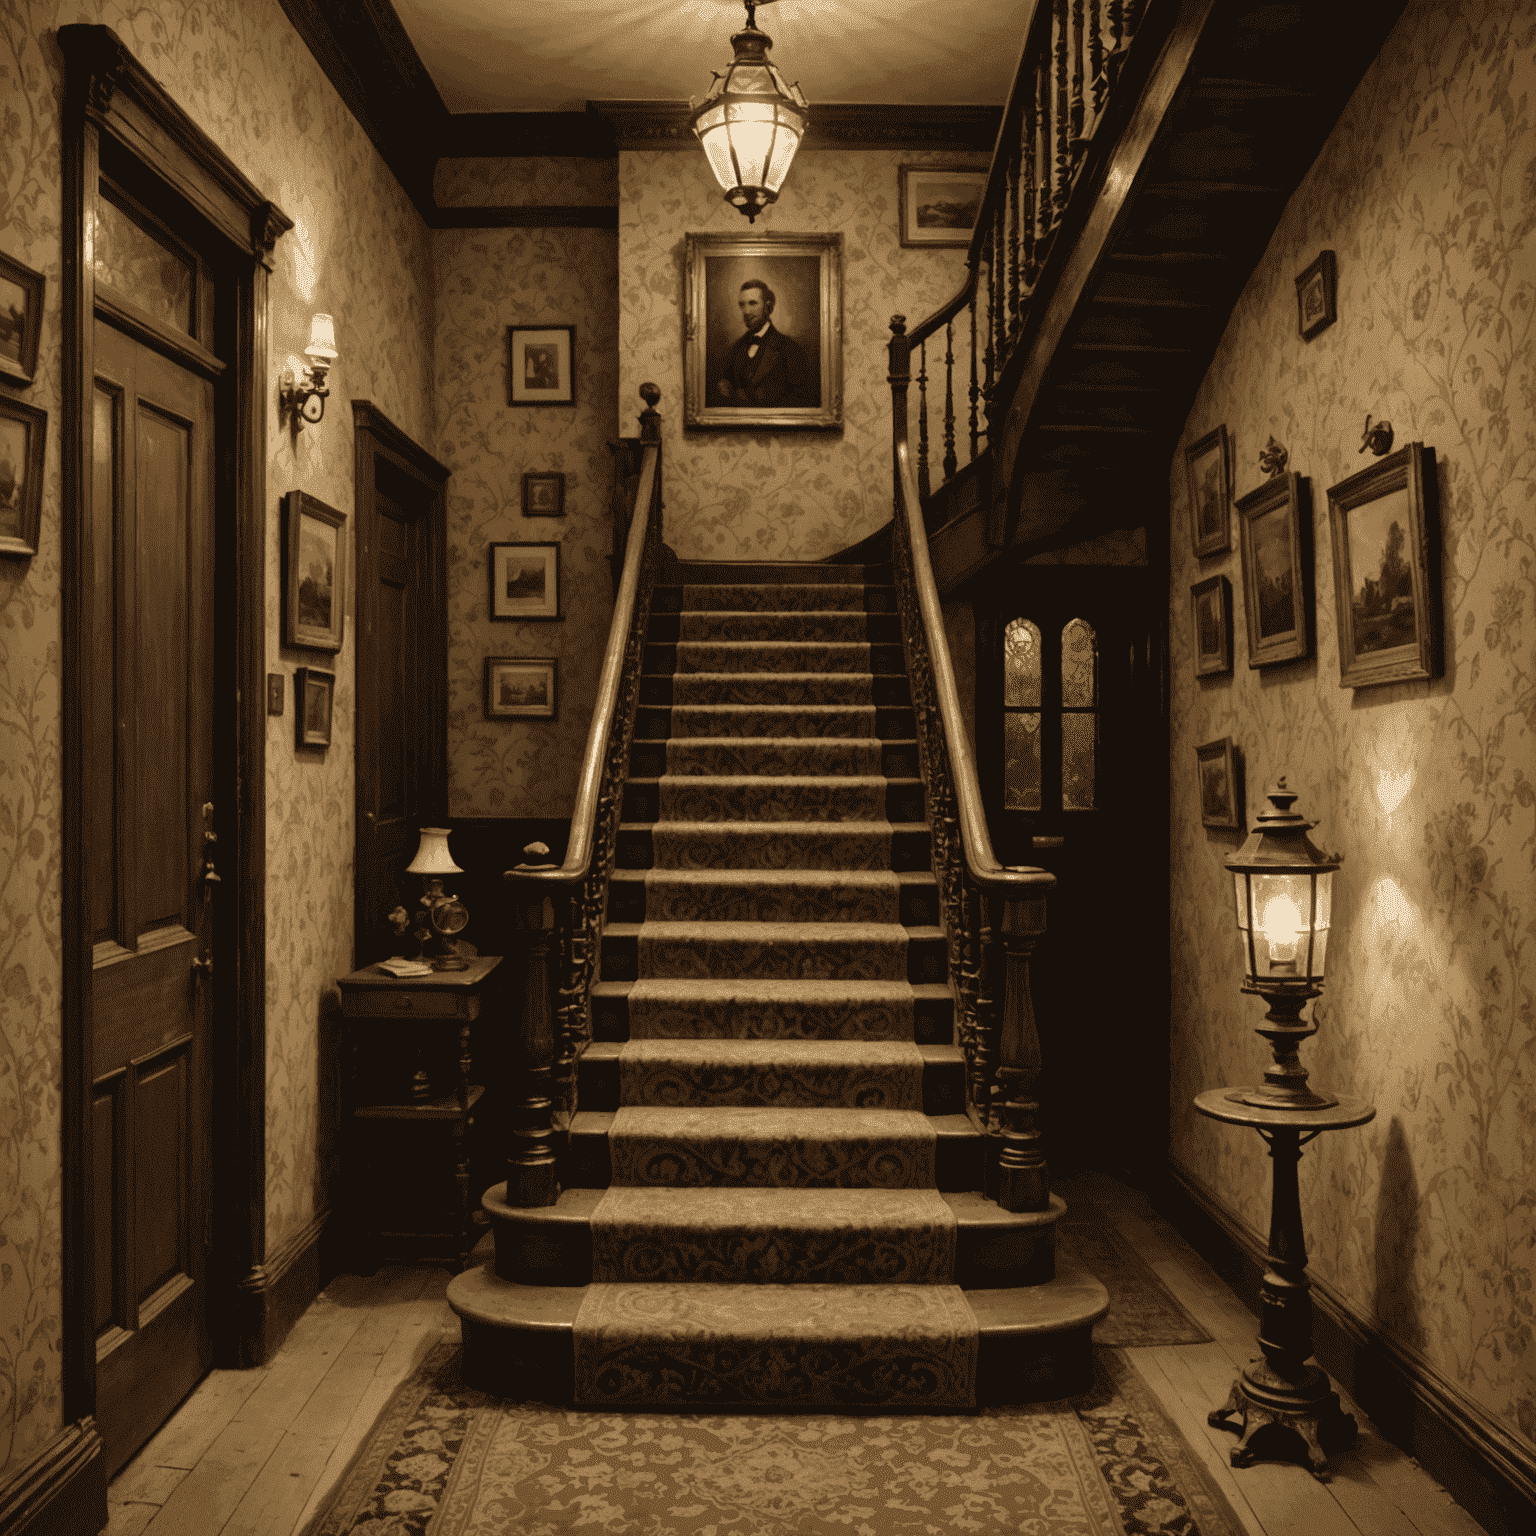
148,786
402,670
1077,787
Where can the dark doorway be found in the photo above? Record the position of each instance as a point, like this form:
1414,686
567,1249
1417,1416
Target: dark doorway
1069,738
402,666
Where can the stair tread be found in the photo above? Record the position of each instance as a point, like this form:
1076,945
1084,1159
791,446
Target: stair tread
599,1122
789,1052
773,989
776,828
771,1123
749,1206
774,933
778,780
873,878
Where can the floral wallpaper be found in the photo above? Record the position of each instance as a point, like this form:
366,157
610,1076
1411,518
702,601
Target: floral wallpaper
359,251
488,279
1423,1219
776,495
538,181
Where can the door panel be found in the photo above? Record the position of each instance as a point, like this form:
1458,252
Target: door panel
149,786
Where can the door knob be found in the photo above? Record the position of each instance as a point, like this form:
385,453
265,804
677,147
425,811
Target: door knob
203,965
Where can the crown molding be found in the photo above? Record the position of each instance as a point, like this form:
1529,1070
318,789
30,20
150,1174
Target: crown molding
834,125
509,135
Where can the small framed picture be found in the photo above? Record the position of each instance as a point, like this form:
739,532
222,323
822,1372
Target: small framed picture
314,573
314,695
1211,600
543,494
1220,803
939,203
23,435
1386,570
1276,525
21,320
525,581
520,688
1208,463
541,365
1317,292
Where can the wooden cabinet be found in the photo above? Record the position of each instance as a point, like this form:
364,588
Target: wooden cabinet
411,1099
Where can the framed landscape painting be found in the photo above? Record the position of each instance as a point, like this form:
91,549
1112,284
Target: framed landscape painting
1220,800
21,320
314,696
520,688
314,573
1207,464
1275,522
1211,601
939,204
763,331
1386,570
525,581
23,430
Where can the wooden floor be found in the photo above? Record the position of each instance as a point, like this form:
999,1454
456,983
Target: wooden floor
257,1453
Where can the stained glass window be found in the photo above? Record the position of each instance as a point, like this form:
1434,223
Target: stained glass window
1079,716
1022,672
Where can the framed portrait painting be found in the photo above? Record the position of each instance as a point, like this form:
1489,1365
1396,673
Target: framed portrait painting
520,688
525,581
314,697
543,493
1221,803
23,433
1276,524
314,573
541,365
1386,570
939,204
21,320
763,331
1207,463
1211,601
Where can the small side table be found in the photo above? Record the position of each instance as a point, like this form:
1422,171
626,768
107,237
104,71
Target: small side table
1279,1387
401,1021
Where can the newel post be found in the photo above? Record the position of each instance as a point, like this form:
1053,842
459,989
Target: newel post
899,377
1023,1179
531,1163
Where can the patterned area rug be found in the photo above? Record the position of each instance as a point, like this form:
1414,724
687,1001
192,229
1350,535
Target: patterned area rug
458,1462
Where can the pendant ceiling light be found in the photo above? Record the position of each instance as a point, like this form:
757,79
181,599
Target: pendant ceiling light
750,121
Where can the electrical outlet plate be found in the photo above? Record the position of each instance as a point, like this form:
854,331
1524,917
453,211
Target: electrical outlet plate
274,693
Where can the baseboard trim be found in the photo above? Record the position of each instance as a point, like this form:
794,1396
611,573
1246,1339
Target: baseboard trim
62,1491
1415,1405
272,1295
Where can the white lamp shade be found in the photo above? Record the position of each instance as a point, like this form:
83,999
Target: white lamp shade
432,857
322,338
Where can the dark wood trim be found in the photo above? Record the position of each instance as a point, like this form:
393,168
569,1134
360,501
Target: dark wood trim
512,135
271,1297
588,216
62,1491
1487,1469
115,108
834,125
367,55
367,417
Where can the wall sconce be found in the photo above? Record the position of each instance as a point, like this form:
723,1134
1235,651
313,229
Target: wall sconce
440,916
303,390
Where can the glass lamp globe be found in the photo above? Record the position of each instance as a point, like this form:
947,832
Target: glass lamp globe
750,122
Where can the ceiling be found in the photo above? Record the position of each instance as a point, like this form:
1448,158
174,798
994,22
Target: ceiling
556,55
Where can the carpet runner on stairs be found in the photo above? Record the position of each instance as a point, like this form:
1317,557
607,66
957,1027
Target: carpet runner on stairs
769,1198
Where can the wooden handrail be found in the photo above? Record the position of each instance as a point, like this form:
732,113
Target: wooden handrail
980,861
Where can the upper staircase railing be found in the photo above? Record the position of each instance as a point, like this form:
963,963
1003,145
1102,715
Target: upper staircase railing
1074,52
993,915
564,905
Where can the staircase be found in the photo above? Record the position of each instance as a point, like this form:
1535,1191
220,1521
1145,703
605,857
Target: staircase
770,1196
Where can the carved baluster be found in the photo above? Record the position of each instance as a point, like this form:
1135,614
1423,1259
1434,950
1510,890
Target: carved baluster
1023,1177
924,488
1041,212
975,423
950,461
1062,178
1075,43
1096,54
1000,280
1116,23
531,1161
899,376
1014,309
991,357
1031,177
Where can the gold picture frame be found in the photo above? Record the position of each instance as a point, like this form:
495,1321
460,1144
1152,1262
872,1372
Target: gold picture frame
1276,526
729,382
314,574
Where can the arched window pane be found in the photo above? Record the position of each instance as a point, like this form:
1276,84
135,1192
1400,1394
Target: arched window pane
1078,670
1021,759
1021,664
